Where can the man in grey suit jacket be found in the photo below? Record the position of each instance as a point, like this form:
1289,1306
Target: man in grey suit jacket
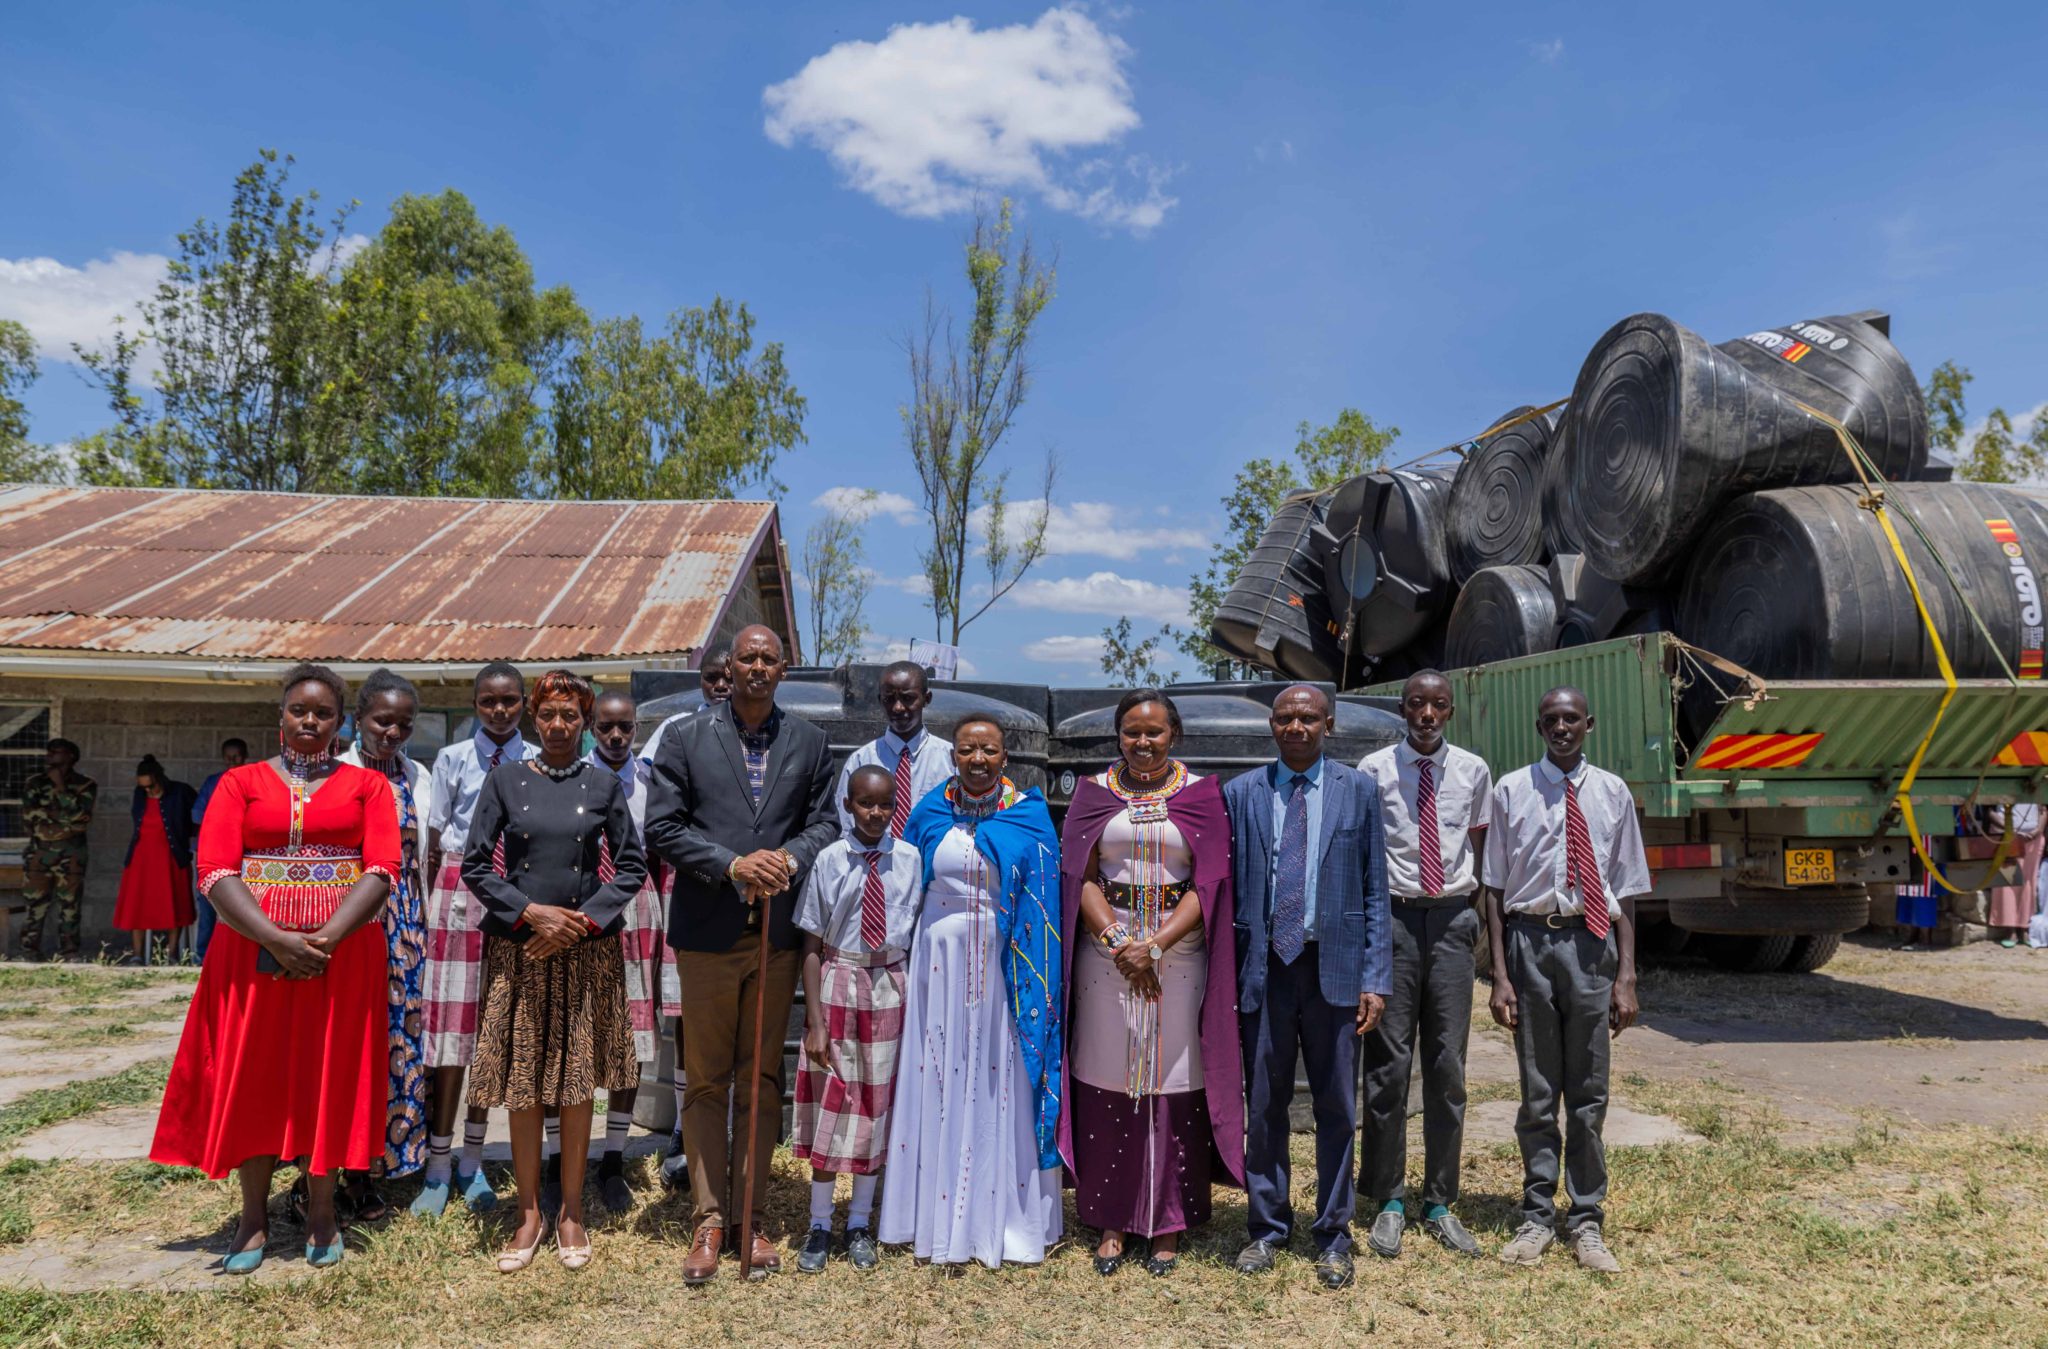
1314,968
740,804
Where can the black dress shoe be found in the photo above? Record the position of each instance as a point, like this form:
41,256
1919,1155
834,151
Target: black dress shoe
1159,1266
611,1183
1258,1257
1333,1270
1451,1234
861,1251
1106,1265
817,1249
675,1167
1385,1236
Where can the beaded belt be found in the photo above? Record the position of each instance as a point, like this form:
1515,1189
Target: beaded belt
1132,896
301,888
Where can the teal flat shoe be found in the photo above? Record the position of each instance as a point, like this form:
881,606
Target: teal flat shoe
477,1192
243,1262
320,1257
432,1201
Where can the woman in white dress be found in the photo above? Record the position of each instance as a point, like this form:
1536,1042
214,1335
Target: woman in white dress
974,1168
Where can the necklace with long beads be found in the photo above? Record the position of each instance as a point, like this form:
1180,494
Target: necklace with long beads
298,770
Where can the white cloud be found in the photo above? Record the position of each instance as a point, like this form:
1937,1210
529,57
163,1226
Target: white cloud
1550,52
1105,592
1274,148
935,114
878,649
861,504
60,304
1066,650
1095,529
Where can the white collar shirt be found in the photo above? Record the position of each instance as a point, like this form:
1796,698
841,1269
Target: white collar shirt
931,763
1464,802
1525,842
633,782
459,773
829,907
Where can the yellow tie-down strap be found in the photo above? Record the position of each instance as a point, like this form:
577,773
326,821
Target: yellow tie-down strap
1873,501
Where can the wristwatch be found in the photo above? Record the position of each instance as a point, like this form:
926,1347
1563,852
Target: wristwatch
1156,954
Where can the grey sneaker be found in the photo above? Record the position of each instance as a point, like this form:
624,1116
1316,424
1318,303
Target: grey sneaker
1450,1234
1530,1241
1385,1236
1591,1248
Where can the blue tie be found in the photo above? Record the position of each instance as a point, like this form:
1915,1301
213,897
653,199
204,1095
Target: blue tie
1290,887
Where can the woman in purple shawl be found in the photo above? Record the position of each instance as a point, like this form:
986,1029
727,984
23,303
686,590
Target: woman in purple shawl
1154,1086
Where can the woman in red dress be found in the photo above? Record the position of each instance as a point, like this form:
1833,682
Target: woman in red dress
284,1048
156,878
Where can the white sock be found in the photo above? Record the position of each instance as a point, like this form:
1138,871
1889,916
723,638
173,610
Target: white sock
438,1160
821,1203
473,1145
551,1137
863,1200
616,1125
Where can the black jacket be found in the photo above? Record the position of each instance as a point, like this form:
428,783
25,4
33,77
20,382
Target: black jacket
701,815
552,833
176,806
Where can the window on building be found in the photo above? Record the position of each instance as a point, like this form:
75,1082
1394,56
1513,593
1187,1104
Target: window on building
24,735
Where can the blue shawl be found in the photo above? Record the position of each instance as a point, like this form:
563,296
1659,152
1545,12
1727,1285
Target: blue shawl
1025,849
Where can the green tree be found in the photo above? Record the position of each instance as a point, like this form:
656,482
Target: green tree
1945,419
1129,663
691,413
1997,454
20,460
256,385
963,400
837,579
462,344
1323,457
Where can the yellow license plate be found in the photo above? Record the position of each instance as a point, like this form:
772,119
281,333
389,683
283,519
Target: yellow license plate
1809,866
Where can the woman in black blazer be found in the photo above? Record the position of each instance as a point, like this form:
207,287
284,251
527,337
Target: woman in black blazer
555,858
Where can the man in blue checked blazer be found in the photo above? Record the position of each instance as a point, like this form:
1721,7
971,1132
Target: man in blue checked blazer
1314,967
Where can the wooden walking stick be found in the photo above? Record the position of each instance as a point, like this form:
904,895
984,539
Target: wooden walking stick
754,1110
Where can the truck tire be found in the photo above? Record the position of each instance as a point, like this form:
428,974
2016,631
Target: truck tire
1818,911
1810,953
1750,955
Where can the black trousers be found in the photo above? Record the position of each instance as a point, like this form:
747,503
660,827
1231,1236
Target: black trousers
1296,1021
1564,985
1431,1003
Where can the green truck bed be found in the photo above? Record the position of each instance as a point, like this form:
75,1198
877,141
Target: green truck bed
1834,751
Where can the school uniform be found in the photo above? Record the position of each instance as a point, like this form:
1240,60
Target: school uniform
915,766
1429,804
862,904
651,988
455,936
1560,844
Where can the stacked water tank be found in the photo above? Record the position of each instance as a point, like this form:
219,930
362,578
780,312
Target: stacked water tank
1684,486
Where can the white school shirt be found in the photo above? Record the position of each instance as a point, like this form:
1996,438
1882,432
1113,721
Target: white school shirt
459,773
931,763
1464,802
633,783
829,907
1525,841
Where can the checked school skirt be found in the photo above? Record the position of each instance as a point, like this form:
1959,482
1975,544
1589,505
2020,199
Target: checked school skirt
842,1110
653,994
454,977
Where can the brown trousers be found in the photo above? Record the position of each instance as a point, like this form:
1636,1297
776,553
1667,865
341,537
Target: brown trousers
718,1051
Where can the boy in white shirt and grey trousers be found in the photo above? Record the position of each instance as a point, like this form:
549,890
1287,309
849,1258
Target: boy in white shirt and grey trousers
1564,864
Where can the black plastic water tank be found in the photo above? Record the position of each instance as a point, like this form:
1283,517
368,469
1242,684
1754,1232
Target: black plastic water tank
1277,613
1561,532
1495,516
1591,608
1799,583
1503,612
1225,726
1392,563
1666,428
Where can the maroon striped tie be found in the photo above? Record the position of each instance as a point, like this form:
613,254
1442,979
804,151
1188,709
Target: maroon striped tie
1427,835
605,869
1582,867
899,816
874,918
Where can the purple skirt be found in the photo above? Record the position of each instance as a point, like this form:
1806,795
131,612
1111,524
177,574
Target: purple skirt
1141,1166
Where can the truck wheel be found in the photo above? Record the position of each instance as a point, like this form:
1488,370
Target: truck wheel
1810,953
1750,955
1813,912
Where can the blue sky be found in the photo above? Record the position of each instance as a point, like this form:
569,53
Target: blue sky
1263,213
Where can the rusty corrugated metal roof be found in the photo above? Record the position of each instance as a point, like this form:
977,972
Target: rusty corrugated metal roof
278,576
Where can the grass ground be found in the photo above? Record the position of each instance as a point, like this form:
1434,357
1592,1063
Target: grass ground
1933,1238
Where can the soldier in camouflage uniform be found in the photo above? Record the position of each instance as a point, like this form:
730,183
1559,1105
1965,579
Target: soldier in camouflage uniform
56,807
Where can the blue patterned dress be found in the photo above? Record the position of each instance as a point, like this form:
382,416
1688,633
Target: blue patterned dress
405,935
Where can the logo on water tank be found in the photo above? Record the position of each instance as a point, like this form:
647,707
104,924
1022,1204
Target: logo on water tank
2027,590
1805,337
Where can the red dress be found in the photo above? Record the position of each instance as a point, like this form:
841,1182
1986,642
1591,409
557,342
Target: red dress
156,893
288,1068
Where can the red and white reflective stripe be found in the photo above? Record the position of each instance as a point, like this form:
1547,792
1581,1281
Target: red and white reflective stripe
1684,857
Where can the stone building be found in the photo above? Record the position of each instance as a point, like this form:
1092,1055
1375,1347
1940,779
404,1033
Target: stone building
157,622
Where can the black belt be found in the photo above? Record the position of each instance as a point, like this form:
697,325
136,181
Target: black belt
1433,901
1126,896
1549,920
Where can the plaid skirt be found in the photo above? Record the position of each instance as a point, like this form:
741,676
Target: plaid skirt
652,990
455,969
842,1110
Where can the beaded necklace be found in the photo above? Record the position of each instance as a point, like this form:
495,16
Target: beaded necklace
298,771
1149,823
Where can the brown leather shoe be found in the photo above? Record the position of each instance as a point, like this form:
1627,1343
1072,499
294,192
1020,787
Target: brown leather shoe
701,1265
766,1257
